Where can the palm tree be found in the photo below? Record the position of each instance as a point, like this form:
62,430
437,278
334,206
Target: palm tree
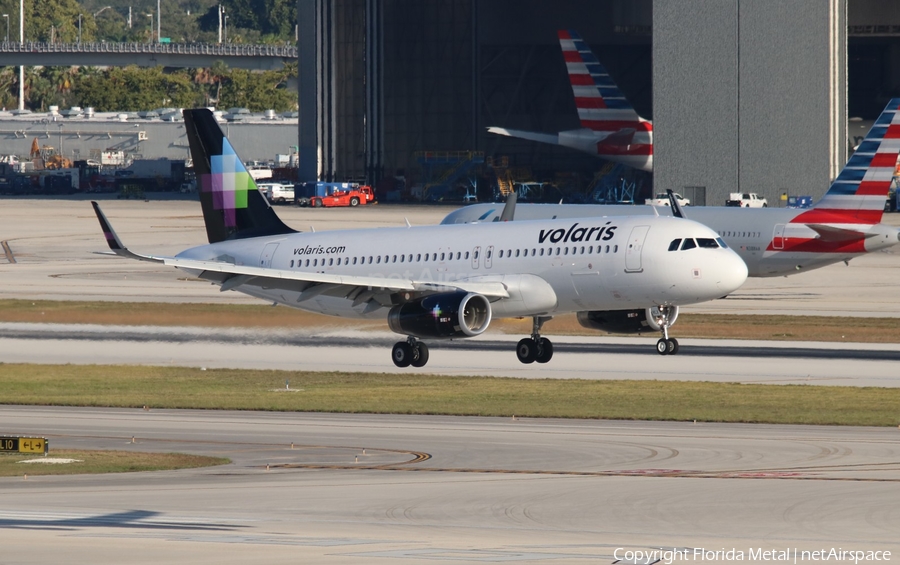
9,83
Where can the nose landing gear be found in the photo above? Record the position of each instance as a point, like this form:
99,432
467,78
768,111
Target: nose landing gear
535,348
666,317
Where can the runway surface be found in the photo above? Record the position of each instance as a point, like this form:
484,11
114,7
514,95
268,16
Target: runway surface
838,364
53,242
399,489
384,489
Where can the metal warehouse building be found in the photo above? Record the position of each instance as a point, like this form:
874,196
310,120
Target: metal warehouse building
83,134
745,95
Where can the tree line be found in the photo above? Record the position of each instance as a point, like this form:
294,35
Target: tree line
183,21
145,88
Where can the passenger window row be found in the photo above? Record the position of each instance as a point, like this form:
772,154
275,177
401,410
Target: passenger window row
727,233
450,256
548,251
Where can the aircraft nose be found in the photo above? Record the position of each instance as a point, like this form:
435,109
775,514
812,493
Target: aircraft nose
732,272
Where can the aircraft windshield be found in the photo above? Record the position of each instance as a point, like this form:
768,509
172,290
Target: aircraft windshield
702,242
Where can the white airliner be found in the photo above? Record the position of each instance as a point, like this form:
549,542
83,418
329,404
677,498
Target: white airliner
844,224
441,282
610,127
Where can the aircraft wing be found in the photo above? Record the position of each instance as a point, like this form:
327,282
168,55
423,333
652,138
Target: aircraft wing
230,276
310,285
115,244
837,235
551,138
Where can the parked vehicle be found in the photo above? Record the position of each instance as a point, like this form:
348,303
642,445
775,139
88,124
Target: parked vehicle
318,194
799,202
746,200
277,192
662,199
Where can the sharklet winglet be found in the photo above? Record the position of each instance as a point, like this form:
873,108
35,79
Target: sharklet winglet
115,244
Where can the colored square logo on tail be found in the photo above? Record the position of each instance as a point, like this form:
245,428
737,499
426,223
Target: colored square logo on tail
229,182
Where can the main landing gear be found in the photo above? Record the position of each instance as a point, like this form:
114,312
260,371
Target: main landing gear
666,345
535,348
410,352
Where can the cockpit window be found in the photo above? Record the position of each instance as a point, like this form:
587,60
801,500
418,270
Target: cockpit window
722,243
688,244
674,245
707,242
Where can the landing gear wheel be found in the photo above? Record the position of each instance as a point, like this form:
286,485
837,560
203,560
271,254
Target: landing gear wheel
420,355
526,350
662,347
673,346
402,354
545,349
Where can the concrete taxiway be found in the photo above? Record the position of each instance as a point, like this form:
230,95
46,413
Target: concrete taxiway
53,242
809,363
402,489
388,489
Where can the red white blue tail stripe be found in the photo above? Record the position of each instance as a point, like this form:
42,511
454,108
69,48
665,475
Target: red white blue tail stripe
858,194
601,105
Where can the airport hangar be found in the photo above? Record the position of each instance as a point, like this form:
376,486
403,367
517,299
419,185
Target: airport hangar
745,95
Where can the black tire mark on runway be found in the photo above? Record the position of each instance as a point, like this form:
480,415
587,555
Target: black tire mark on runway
452,345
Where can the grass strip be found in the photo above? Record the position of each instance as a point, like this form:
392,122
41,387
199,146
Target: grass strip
179,387
93,462
756,327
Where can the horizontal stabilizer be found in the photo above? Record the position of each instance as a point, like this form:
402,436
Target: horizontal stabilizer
622,137
551,138
837,235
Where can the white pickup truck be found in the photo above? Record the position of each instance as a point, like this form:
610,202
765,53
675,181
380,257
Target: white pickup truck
662,199
746,200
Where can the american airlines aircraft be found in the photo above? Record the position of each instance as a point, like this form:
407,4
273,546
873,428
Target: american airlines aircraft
445,282
844,224
610,128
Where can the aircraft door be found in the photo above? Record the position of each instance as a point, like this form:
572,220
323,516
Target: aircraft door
633,249
265,259
488,257
778,237
476,253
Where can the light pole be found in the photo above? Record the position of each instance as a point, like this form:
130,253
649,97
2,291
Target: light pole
22,42
150,15
226,28
79,29
6,17
158,21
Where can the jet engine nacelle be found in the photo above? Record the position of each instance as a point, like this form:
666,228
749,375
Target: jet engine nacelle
627,321
445,315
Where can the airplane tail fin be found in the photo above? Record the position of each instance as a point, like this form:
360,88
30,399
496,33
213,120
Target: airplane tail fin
858,194
233,207
601,105
603,109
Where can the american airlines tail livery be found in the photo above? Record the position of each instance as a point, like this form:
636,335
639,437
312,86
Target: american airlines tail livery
445,282
844,224
610,128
